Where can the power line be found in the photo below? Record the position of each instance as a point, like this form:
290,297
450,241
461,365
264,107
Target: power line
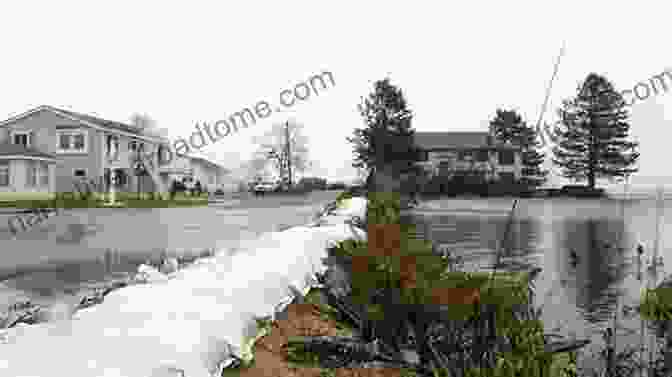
550,85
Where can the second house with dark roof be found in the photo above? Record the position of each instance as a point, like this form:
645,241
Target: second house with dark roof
449,153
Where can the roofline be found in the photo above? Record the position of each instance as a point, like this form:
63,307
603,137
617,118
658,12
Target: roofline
26,157
451,132
468,147
82,121
206,160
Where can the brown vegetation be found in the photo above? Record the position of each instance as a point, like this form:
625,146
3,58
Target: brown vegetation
270,359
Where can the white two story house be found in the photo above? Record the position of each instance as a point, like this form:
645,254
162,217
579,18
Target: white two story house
47,149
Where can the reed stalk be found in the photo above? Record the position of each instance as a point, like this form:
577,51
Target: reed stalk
504,243
659,214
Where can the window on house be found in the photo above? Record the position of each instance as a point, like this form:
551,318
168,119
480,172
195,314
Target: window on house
132,145
21,138
31,176
112,147
72,141
78,141
4,173
506,157
164,155
44,174
121,177
80,173
64,141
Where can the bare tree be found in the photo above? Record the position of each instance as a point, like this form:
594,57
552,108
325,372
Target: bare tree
147,125
286,147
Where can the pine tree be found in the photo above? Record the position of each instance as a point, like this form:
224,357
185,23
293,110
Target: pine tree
592,134
506,125
509,127
387,141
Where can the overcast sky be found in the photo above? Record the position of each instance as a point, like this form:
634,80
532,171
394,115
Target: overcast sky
456,62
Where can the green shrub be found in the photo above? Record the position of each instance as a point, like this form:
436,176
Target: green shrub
657,304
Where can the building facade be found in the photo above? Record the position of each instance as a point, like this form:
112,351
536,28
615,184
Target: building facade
26,173
450,153
78,147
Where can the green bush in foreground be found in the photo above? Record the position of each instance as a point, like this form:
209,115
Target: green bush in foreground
380,273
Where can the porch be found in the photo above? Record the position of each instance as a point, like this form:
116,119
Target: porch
25,173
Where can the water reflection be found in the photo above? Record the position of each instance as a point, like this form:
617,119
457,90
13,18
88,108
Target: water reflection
599,266
478,237
578,298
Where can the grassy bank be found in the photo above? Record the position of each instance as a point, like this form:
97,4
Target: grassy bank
124,200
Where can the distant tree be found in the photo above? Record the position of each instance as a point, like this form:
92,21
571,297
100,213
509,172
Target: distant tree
592,134
509,127
143,122
532,158
286,147
147,125
386,143
506,125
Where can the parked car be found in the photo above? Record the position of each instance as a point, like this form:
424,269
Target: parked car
264,187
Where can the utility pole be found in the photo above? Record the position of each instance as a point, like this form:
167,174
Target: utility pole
289,153
547,95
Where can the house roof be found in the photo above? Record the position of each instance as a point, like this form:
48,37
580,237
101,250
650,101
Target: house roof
208,162
453,140
91,121
437,140
18,150
100,121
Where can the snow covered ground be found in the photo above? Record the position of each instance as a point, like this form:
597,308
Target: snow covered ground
186,325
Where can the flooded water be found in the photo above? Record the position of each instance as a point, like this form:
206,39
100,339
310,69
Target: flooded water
86,246
579,296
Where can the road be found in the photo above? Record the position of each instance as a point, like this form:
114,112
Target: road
74,247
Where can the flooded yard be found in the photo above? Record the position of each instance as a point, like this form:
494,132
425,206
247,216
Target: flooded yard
579,296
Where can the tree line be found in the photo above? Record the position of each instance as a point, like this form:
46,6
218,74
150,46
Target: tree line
592,137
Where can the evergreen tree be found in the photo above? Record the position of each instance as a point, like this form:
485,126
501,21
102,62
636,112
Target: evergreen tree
592,134
387,140
509,127
506,125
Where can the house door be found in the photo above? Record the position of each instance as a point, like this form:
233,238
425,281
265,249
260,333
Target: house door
122,178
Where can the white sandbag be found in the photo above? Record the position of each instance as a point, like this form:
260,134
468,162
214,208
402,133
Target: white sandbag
191,323
346,211
355,206
169,266
149,274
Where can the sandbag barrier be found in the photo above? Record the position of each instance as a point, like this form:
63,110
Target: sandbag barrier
189,324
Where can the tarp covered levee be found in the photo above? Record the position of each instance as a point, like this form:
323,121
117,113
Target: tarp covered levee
189,324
